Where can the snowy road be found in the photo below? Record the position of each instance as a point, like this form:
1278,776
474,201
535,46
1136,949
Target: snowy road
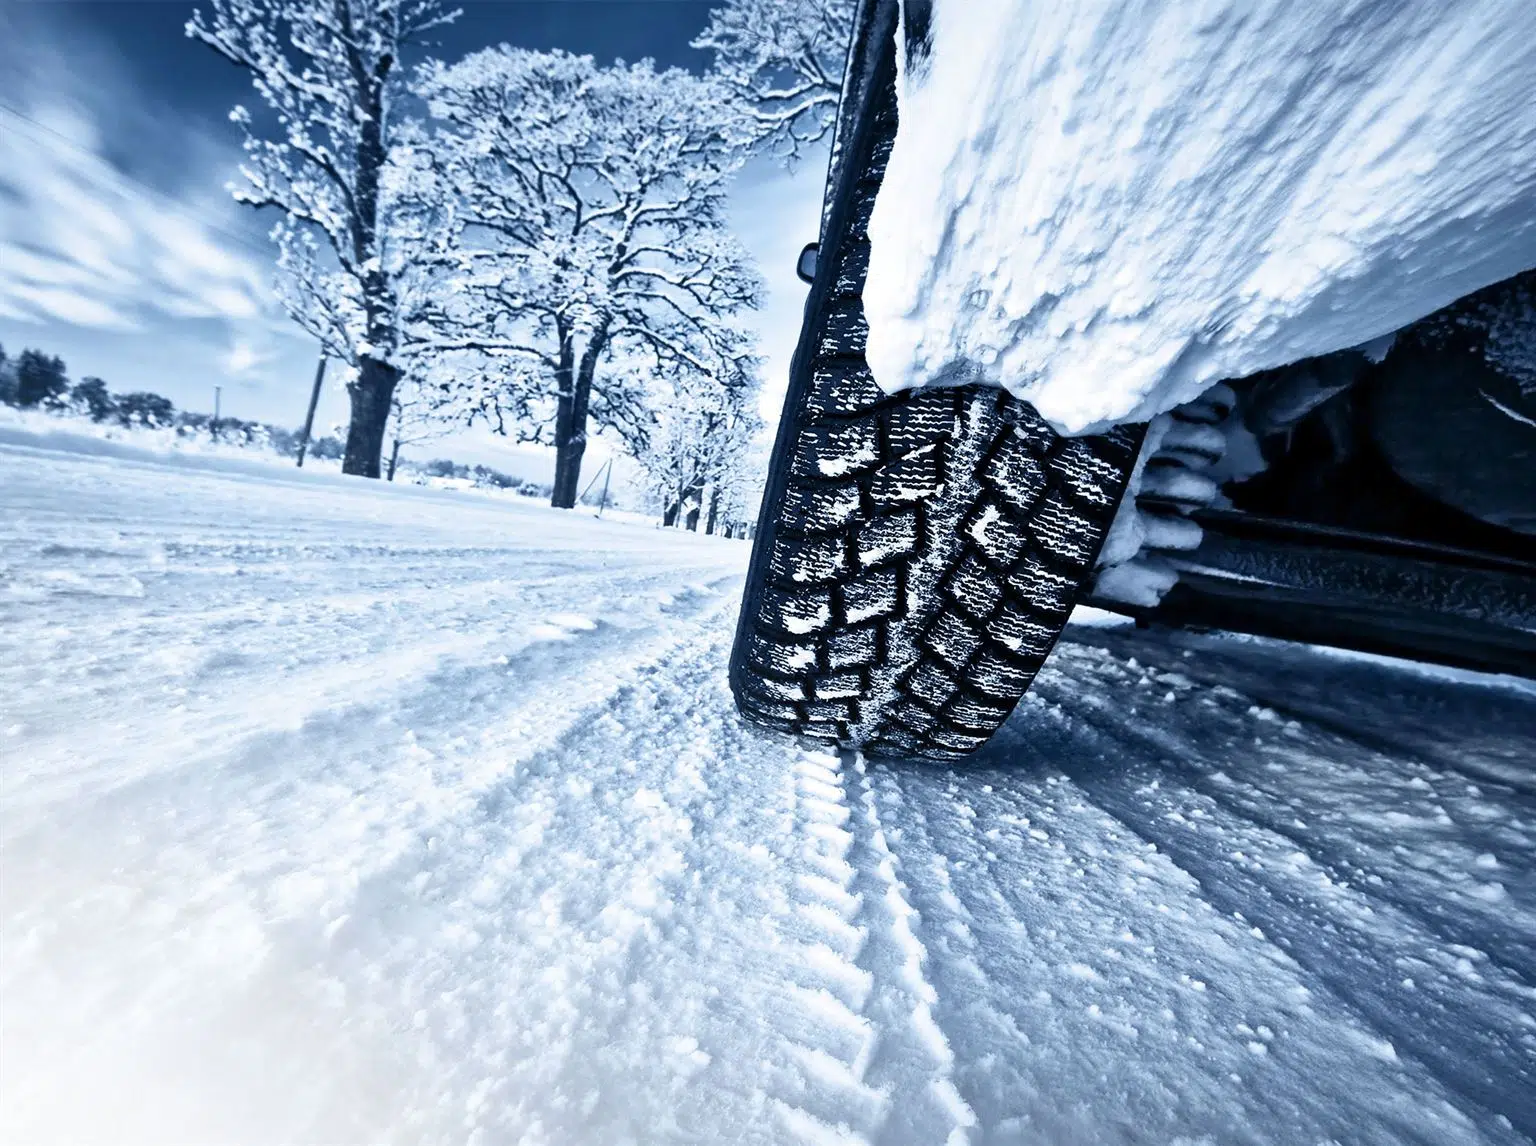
344,814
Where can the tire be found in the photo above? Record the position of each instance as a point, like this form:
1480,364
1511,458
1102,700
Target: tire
917,555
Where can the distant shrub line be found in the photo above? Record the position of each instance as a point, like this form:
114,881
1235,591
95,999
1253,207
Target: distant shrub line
35,380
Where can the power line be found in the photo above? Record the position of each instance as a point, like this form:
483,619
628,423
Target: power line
126,180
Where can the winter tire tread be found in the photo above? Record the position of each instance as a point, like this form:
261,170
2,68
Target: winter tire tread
918,554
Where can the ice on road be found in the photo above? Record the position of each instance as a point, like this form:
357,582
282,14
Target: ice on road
342,813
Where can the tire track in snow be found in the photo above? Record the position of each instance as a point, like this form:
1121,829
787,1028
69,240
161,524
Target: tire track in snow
1357,949
827,1039
521,704
290,841
272,603
628,776
446,683
1344,944
345,923
1341,858
717,936
1397,710
1102,969
912,1061
210,693
955,959
869,1063
1516,790
1425,839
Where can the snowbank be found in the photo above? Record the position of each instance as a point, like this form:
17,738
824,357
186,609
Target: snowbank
44,430
1106,206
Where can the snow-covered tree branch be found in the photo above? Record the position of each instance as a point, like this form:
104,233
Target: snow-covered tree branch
784,60
696,454
420,411
593,234
339,168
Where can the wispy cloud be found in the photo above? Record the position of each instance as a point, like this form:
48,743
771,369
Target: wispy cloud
245,358
82,243
120,246
112,210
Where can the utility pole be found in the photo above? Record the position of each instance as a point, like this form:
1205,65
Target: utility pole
309,418
214,429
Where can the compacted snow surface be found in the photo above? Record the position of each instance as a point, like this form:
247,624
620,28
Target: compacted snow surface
1106,207
342,813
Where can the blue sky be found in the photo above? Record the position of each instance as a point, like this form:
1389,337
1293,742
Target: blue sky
121,250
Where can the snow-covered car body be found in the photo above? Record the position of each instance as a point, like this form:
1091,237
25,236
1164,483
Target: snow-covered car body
920,549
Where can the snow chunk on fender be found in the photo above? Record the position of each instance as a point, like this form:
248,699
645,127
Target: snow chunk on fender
1106,207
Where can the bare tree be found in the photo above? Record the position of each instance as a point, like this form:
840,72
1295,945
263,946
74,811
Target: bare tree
784,60
593,234
416,415
328,71
696,455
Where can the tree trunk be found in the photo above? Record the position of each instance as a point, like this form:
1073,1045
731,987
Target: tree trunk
714,509
565,388
571,416
695,502
570,445
669,513
371,392
394,459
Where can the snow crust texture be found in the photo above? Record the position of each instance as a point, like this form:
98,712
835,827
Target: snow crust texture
335,812
1107,207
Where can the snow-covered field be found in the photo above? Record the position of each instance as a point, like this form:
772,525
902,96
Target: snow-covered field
339,813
